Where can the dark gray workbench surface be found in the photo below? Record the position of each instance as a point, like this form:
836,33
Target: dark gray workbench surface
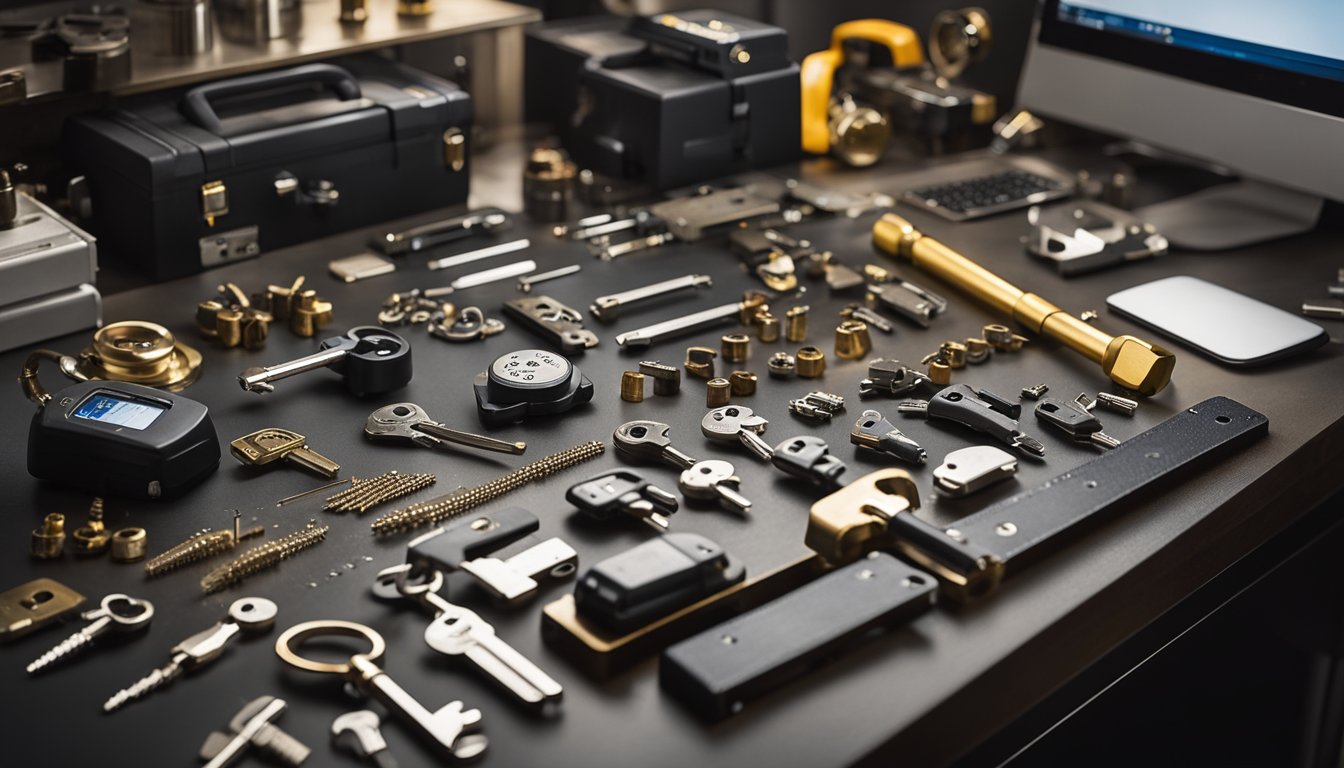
926,693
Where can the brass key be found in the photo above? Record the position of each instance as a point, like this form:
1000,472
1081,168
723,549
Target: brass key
265,446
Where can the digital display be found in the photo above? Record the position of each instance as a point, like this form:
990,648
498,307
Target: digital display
108,409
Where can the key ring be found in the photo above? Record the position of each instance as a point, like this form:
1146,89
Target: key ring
301,633
144,610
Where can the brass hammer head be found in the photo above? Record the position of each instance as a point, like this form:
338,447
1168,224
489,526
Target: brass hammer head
1137,365
894,235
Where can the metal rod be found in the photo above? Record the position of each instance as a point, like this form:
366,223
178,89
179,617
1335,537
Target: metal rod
481,253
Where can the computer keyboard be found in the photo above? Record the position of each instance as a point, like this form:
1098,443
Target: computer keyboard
985,195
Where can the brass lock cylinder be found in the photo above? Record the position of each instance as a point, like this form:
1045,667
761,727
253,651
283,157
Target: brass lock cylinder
717,392
736,347
810,362
852,340
632,386
795,323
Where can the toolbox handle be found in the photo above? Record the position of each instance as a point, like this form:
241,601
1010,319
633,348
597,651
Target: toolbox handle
196,104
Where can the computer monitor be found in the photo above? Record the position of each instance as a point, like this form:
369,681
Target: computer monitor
1250,85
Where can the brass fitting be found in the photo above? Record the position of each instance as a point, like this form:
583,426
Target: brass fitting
129,545
795,323
49,539
717,392
700,362
742,383
1131,362
767,327
953,353
977,351
852,341
92,538
940,372
736,347
309,315
632,386
666,378
782,365
811,362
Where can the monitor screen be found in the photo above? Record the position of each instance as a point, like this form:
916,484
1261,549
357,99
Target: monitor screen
1287,51
109,409
1300,36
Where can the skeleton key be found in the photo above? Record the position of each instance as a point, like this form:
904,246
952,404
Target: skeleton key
452,728
251,614
118,612
649,441
714,480
457,631
408,422
266,446
736,423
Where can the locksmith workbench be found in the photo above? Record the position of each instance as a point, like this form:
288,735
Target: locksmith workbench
923,694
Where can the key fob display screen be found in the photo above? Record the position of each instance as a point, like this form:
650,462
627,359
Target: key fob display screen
108,409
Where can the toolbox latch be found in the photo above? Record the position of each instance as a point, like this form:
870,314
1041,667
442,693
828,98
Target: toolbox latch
455,149
214,201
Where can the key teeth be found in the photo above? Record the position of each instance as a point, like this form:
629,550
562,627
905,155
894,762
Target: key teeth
141,687
67,647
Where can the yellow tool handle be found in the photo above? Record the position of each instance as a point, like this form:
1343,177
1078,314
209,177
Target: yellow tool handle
818,71
1131,362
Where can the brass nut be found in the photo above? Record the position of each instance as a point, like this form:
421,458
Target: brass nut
92,538
767,327
743,383
953,353
700,362
811,362
129,545
736,347
782,365
940,373
632,386
752,303
795,323
666,378
852,341
717,392
997,336
977,351
49,540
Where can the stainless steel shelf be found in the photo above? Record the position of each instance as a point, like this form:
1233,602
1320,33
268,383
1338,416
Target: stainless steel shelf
320,35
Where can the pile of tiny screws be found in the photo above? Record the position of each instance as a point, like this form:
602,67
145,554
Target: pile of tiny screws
265,556
456,503
201,545
363,495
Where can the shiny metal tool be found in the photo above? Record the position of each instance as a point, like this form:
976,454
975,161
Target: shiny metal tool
408,422
1131,362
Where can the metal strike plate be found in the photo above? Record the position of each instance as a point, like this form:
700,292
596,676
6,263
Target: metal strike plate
33,605
227,247
854,520
514,579
967,470
691,218
560,323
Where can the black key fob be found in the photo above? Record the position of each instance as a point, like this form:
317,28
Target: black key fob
647,582
471,537
809,458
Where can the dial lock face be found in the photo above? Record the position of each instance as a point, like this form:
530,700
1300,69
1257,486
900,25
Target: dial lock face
530,369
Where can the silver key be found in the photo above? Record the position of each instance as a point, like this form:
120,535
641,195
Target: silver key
649,441
358,732
714,480
457,631
526,282
408,422
252,614
118,613
736,423
608,308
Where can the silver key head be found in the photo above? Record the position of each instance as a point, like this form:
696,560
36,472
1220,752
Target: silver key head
642,439
455,630
725,423
358,732
253,613
124,612
395,422
702,479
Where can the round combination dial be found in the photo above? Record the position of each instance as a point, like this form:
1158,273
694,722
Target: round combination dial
529,374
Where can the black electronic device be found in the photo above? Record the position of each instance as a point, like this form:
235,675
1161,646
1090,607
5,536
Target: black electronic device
184,182
526,383
629,590
669,99
118,439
